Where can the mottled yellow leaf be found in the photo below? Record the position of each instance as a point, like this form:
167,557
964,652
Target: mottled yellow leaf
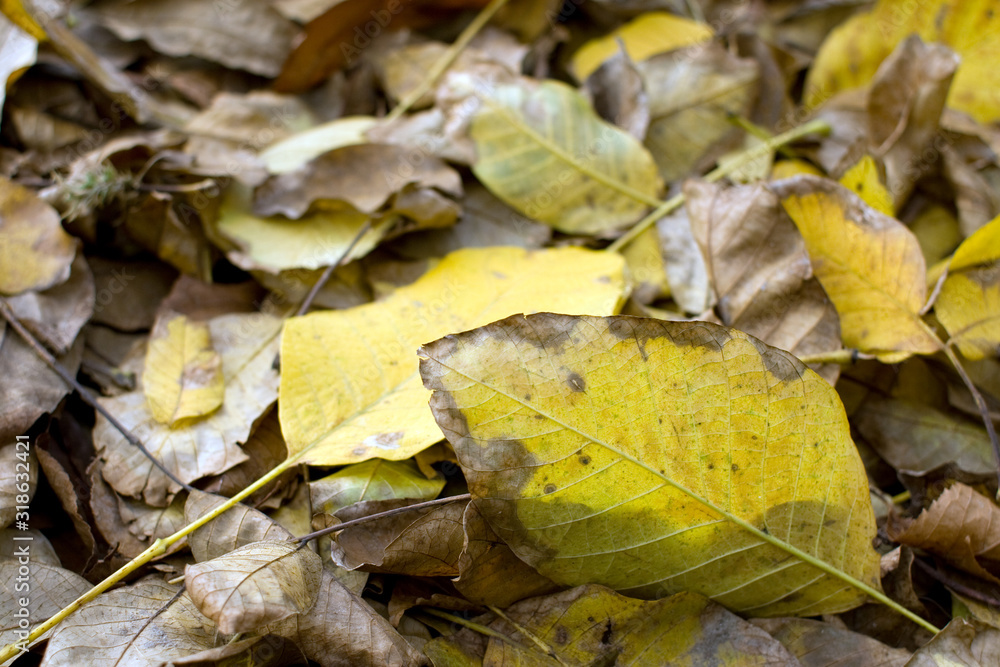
853,51
35,252
543,150
862,178
647,35
625,451
869,264
183,376
350,389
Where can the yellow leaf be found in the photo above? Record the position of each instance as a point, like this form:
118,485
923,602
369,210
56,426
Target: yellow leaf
35,252
863,179
794,167
15,12
983,247
542,150
372,480
710,447
969,308
350,389
648,35
869,264
183,376
853,51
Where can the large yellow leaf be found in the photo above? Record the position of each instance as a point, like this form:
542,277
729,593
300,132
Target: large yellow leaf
869,264
625,451
543,150
853,51
350,389
647,35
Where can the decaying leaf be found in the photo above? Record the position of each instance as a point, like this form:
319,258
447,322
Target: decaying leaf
869,264
142,624
818,644
569,427
350,389
255,585
47,589
543,150
35,253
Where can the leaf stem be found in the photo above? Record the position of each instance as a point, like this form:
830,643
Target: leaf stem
446,60
984,410
740,161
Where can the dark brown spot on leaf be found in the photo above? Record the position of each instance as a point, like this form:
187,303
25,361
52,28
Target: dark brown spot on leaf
562,635
575,382
735,467
550,488
585,460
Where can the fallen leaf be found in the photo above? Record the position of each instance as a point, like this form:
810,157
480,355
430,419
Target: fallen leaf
245,35
687,273
543,150
862,179
693,94
208,446
50,588
818,644
569,427
619,96
918,438
56,315
591,625
142,624
647,35
36,253
375,479
293,152
961,642
182,378
255,585
17,53
342,630
235,528
962,526
350,389
869,264
853,51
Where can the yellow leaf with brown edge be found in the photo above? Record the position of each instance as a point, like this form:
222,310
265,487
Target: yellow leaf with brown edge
869,264
183,376
853,51
570,428
646,36
350,387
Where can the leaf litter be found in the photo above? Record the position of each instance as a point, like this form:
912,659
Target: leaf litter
739,409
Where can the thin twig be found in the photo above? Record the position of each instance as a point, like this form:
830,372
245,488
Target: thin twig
380,515
537,641
957,586
53,363
984,410
323,279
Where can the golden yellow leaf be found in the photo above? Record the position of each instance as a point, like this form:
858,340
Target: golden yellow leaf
542,150
862,178
183,376
853,51
869,264
969,303
350,389
647,35
569,428
794,167
35,252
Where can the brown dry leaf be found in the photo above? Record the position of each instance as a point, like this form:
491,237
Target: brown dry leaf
687,274
235,528
489,572
918,438
426,546
619,96
142,624
265,448
247,35
56,315
592,625
35,252
247,344
905,104
818,644
348,175
254,585
342,630
128,293
18,481
165,224
962,643
692,94
962,526
49,588
149,523
760,270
